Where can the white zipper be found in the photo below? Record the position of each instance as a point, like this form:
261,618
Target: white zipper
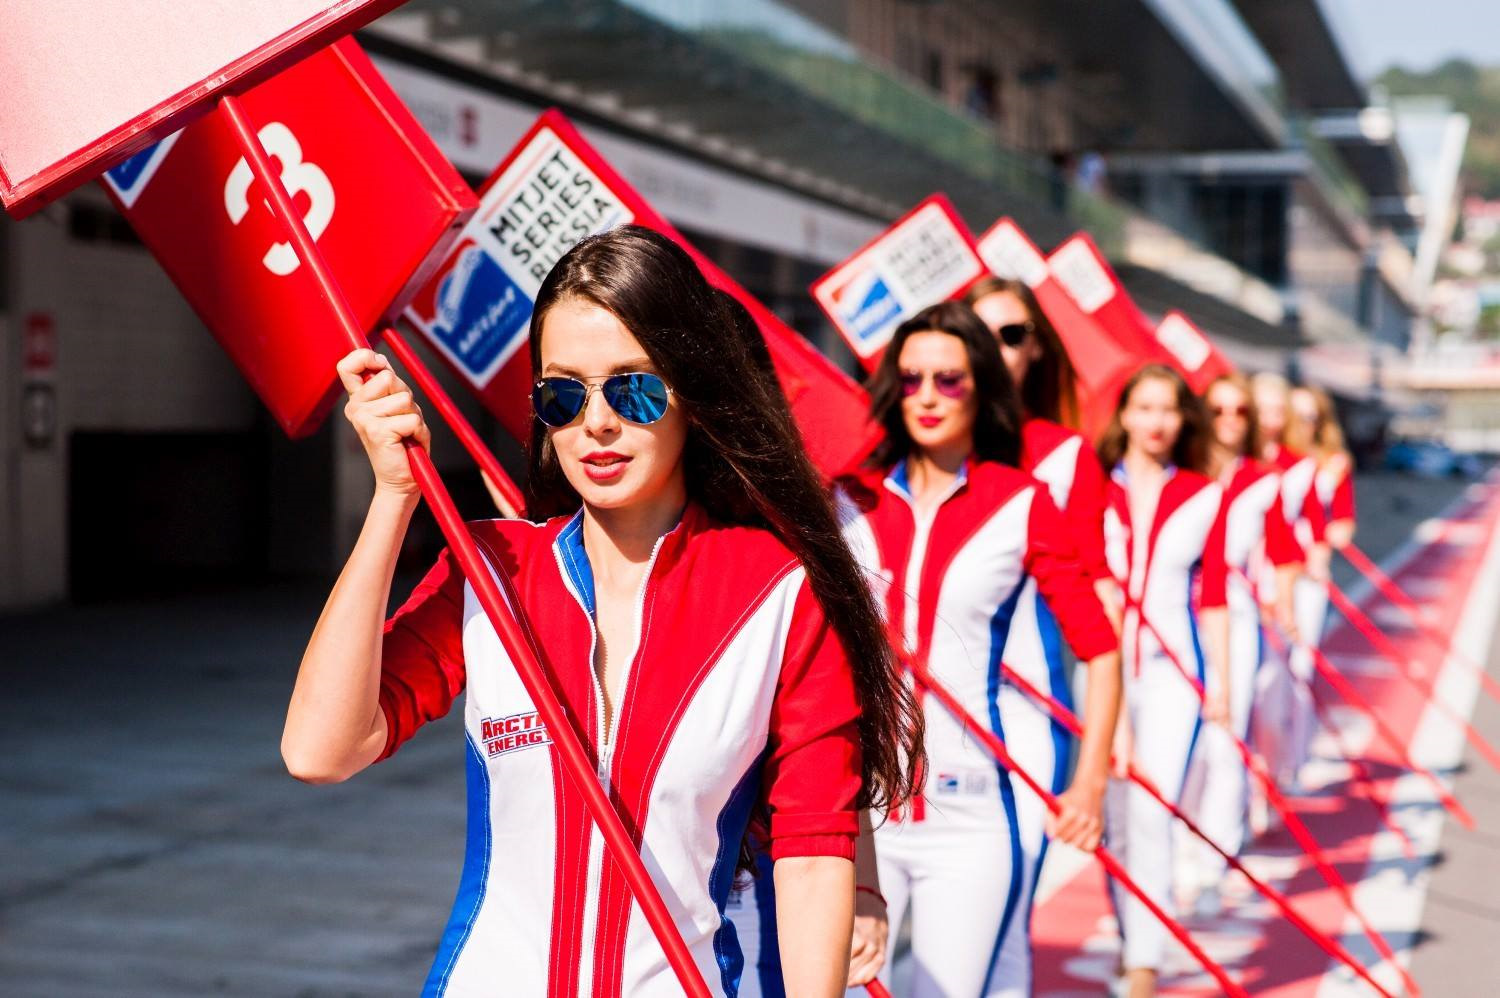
918,557
606,729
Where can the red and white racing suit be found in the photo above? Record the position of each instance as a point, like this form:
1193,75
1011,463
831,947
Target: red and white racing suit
738,698
952,581
1257,541
1157,563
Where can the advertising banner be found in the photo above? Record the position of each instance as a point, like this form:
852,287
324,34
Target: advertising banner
553,190
1195,353
925,257
1100,362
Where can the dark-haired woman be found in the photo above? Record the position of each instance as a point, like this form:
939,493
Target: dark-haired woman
1062,459
1051,449
1164,526
951,530
707,630
1259,549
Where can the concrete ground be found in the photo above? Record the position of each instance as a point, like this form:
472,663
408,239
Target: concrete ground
1461,920
151,843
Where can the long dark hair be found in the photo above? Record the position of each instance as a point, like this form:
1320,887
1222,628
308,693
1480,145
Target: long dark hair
743,460
1190,451
997,424
1050,389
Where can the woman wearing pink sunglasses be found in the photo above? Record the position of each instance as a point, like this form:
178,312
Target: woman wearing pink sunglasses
951,532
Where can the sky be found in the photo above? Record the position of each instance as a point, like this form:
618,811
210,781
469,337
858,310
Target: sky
1417,34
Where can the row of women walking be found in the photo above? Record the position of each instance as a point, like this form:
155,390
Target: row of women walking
731,641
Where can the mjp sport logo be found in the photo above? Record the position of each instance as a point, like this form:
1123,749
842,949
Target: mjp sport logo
550,192
129,179
381,211
503,735
477,308
474,312
866,304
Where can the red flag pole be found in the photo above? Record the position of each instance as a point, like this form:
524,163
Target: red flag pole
1294,824
1383,644
516,639
877,990
1328,945
1351,695
1362,776
1111,864
462,428
1391,591
1360,772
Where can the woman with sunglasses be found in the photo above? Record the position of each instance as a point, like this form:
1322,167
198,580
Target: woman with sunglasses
1061,458
1314,431
1164,530
1258,546
951,530
703,622
1051,448
1279,445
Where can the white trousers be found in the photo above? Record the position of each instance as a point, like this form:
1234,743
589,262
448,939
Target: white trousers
1216,794
1164,712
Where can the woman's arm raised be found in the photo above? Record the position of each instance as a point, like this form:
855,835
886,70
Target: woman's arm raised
334,724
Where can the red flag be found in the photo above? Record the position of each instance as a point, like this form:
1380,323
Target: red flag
86,84
1195,354
1093,285
1101,363
379,198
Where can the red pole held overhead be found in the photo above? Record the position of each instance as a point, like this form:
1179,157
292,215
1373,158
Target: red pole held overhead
448,409
507,625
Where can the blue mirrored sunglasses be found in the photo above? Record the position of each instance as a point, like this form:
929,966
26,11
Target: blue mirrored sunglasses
639,398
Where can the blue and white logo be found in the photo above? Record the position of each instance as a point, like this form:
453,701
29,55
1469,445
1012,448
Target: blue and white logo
867,306
129,179
480,315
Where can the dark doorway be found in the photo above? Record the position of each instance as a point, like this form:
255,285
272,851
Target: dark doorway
159,513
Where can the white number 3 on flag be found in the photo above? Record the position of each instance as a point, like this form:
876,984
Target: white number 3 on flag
298,177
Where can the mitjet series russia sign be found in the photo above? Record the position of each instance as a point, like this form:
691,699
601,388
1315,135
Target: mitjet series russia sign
553,190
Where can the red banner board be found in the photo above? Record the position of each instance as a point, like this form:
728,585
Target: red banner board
1093,285
1088,278
87,84
376,194
551,191
1195,353
925,257
1100,363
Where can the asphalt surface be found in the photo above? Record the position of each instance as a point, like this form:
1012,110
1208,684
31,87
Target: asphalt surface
151,843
